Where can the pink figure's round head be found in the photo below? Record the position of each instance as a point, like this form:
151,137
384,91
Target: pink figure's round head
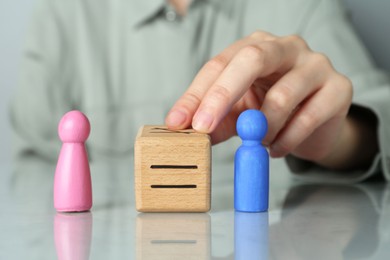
74,127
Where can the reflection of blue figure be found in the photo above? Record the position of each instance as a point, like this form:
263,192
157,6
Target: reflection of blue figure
251,164
250,236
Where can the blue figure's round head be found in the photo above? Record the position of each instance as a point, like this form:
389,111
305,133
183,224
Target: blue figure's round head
252,125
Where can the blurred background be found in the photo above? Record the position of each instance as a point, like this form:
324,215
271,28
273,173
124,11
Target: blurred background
14,15
371,20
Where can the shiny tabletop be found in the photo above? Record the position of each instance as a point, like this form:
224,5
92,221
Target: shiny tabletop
304,221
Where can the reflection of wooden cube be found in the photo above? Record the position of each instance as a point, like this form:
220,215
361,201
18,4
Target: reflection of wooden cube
173,236
172,170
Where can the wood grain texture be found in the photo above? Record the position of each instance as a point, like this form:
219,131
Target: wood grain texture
172,170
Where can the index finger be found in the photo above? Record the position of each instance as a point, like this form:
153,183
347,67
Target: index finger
181,114
250,63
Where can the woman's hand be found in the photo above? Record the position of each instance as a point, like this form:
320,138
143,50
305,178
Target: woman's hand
305,100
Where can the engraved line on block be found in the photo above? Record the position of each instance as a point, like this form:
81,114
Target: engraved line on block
186,186
173,242
167,131
174,166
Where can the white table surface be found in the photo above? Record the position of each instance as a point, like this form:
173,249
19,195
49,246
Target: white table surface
304,221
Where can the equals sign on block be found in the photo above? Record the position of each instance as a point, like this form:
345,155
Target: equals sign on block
173,186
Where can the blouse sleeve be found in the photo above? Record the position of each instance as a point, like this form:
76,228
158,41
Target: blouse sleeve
41,96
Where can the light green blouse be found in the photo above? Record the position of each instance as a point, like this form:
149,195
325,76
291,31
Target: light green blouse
125,62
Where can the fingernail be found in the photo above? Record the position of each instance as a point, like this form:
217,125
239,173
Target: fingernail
276,151
176,118
202,122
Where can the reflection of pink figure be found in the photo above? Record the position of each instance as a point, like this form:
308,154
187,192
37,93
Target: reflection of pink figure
72,235
72,181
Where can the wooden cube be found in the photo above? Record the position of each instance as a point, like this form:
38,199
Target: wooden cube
172,170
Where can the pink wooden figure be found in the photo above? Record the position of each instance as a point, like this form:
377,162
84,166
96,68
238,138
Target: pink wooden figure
72,180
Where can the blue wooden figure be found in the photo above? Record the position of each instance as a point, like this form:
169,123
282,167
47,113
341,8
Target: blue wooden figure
251,164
